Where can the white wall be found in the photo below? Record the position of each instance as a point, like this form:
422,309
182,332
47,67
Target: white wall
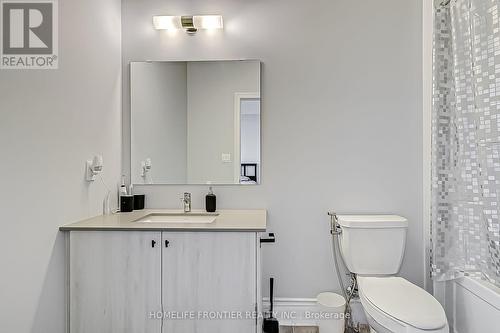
159,126
341,115
211,90
51,122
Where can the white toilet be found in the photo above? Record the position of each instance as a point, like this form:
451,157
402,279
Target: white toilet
372,247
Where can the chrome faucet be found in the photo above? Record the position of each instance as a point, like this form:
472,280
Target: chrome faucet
186,201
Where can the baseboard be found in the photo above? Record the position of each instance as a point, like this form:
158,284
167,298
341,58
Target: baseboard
295,302
294,311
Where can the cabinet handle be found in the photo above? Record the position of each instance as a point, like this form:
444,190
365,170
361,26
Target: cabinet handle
166,243
153,243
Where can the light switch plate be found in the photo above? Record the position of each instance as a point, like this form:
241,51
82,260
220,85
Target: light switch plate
226,157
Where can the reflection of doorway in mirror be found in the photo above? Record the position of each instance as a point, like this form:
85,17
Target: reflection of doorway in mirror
247,138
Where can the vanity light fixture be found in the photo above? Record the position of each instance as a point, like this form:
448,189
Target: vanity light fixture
190,24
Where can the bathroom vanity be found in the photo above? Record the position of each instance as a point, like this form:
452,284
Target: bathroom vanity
159,271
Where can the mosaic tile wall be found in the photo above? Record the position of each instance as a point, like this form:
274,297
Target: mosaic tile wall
466,141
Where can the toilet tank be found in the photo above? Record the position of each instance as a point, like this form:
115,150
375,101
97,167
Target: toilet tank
372,244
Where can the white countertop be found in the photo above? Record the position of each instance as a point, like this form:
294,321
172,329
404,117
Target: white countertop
227,220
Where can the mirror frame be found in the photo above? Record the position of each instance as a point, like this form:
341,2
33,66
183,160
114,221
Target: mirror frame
259,168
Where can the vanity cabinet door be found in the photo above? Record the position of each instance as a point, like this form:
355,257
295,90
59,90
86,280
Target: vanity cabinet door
115,281
207,275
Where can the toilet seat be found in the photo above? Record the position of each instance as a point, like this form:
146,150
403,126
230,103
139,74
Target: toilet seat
397,305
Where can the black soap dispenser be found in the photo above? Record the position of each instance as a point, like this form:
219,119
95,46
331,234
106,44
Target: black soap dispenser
210,201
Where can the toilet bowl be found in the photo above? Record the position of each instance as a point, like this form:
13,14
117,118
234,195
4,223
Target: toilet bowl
393,304
372,247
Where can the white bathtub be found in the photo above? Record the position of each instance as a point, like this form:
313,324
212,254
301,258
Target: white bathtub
472,306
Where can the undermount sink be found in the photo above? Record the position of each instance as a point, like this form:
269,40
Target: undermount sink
179,218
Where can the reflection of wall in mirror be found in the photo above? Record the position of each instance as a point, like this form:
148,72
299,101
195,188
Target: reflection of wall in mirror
159,121
211,90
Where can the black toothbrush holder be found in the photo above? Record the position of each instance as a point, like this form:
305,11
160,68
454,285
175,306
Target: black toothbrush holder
139,201
126,203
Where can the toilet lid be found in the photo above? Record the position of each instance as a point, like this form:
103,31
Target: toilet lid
403,301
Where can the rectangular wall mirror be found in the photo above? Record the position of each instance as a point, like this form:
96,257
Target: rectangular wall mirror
195,122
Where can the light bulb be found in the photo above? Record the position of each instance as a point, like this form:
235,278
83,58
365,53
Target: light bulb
167,22
208,22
